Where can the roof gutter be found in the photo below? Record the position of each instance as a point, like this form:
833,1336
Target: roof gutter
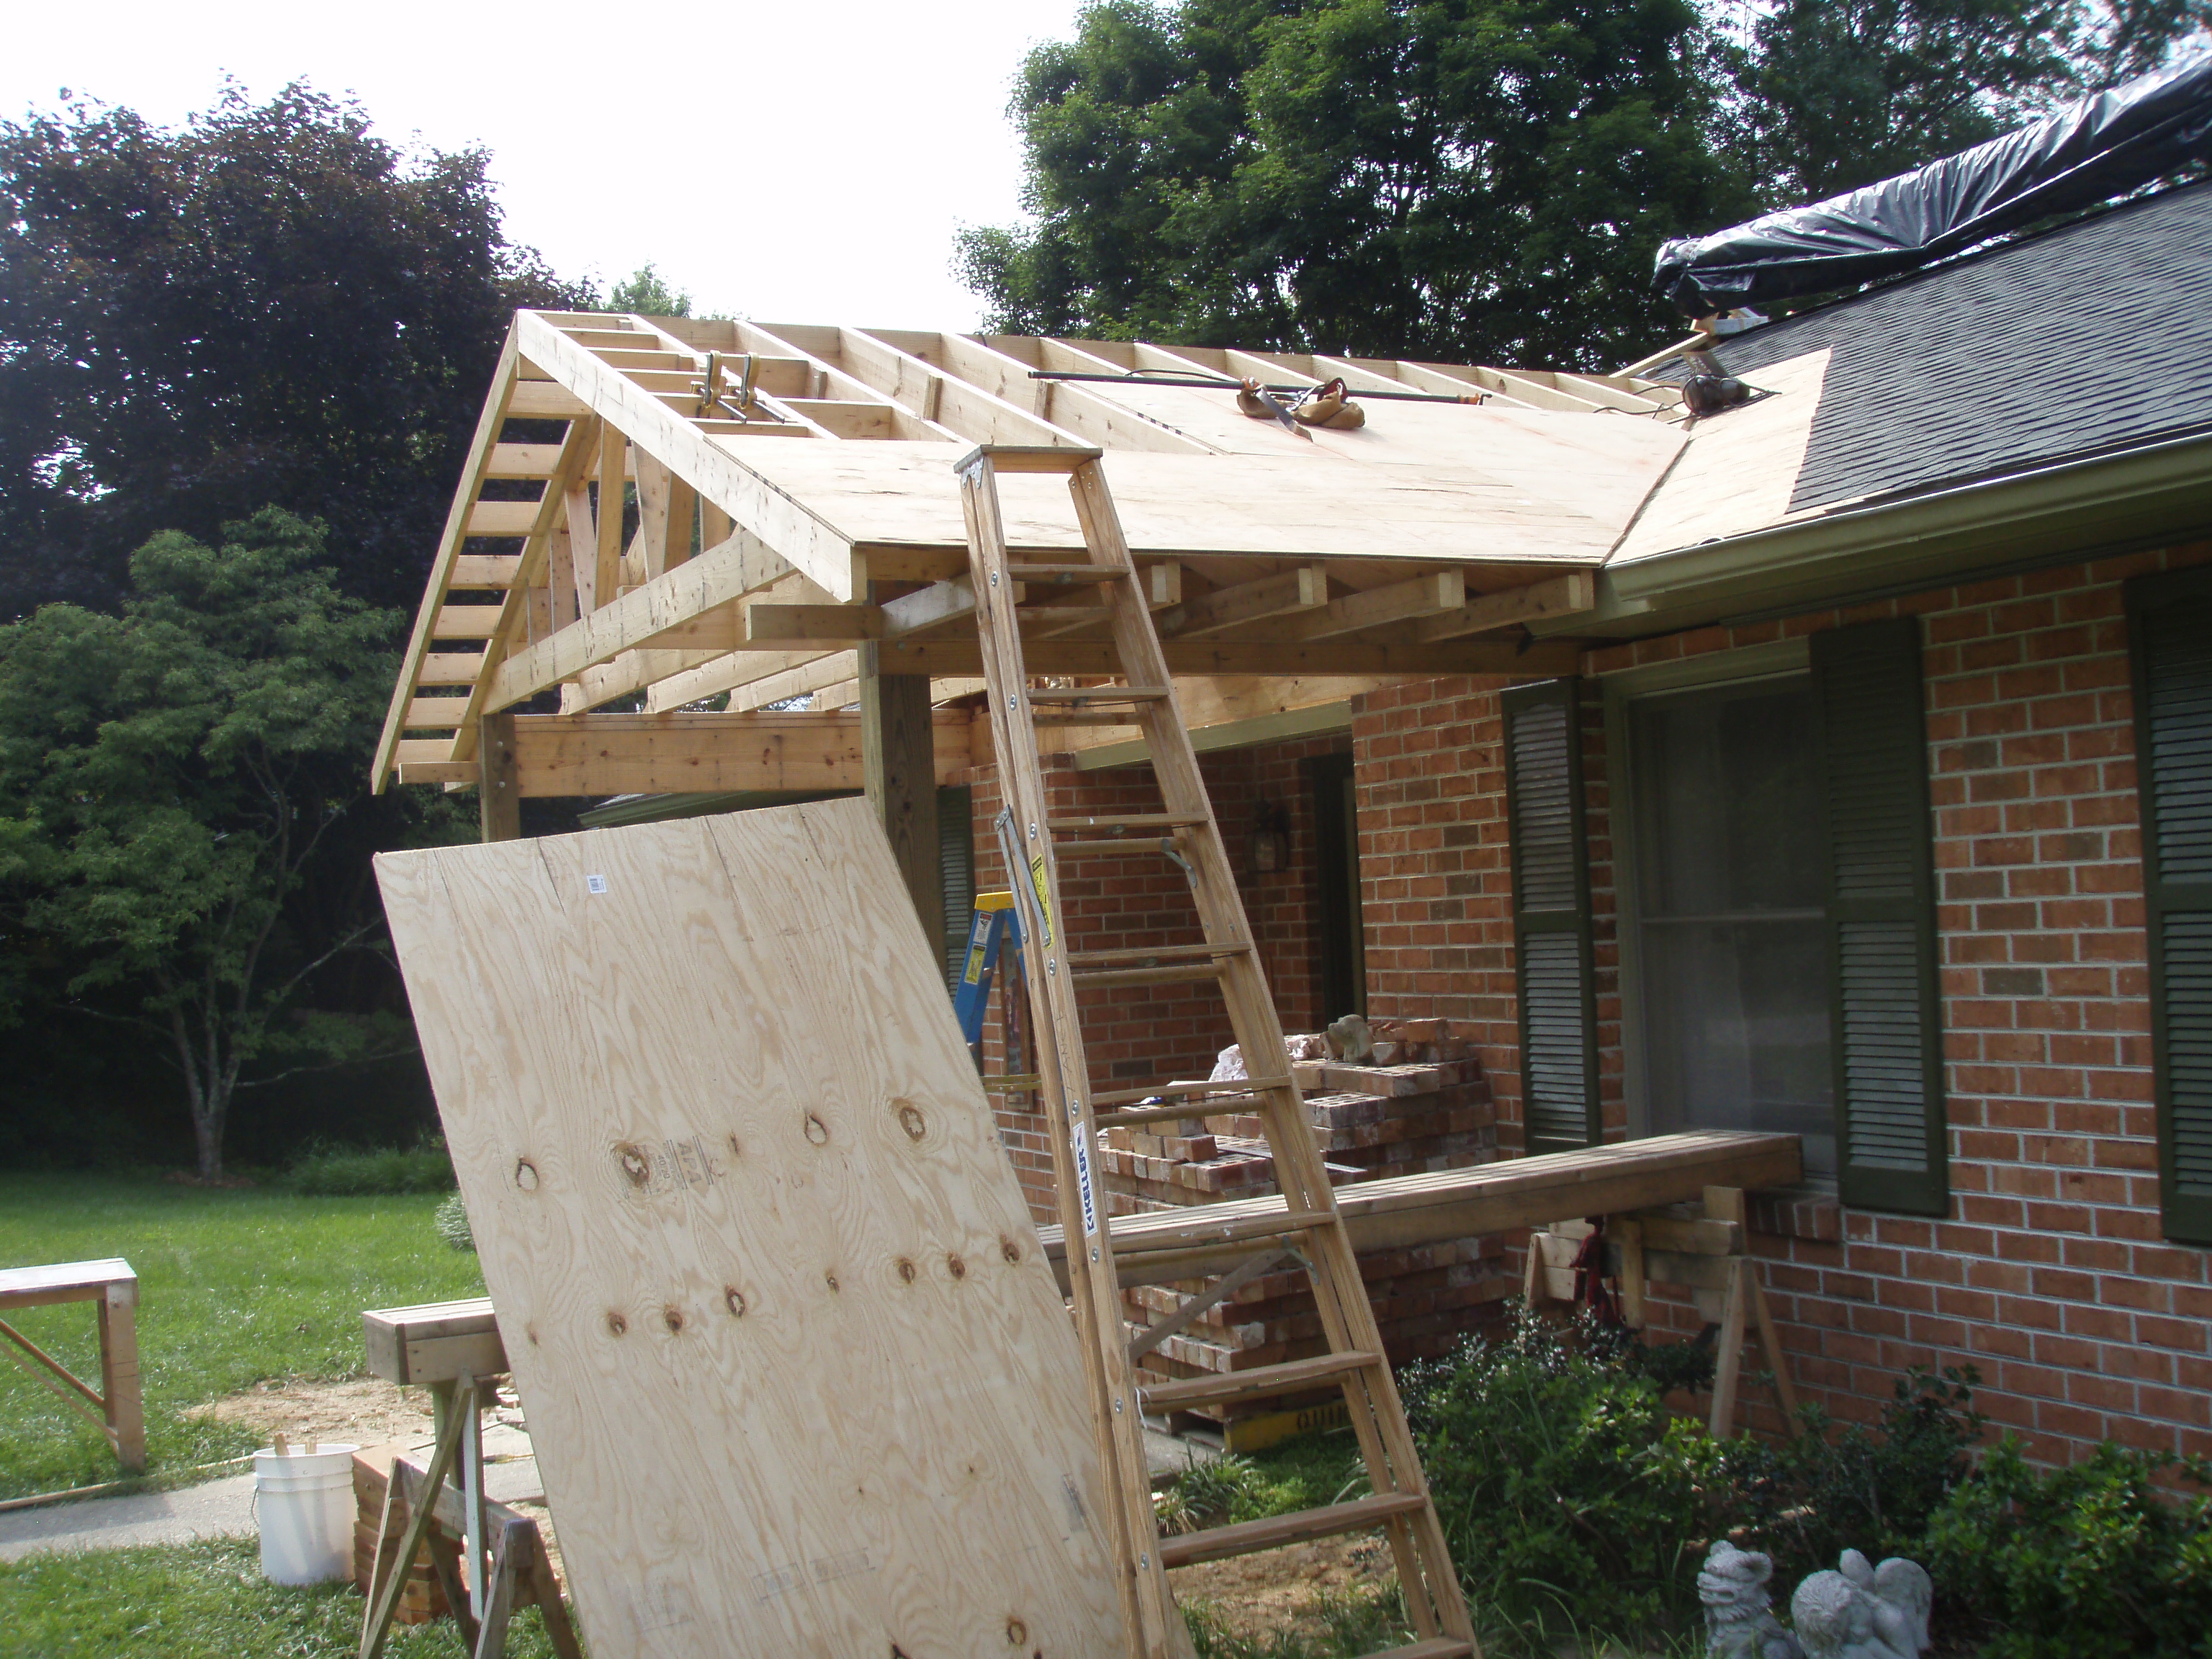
2164,486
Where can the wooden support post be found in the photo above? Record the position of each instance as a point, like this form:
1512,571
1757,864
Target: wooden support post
118,1376
898,760
499,783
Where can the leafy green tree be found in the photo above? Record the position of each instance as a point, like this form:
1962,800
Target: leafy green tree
269,304
1477,179
646,293
1841,93
1481,180
174,782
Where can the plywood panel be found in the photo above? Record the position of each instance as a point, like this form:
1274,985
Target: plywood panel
1739,468
797,1374
1317,504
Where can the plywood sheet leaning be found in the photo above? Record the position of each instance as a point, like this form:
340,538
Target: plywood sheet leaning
798,1376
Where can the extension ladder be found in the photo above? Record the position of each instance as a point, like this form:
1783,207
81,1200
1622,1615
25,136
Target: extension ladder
1309,1232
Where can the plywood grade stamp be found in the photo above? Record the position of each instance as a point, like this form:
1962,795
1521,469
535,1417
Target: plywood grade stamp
798,1376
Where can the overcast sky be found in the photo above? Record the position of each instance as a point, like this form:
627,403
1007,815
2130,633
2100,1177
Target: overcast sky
794,163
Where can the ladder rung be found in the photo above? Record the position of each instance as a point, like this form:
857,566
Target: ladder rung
1151,1114
1052,574
1028,458
1086,717
1286,1378
1139,820
1187,973
1239,1087
1162,845
1146,955
1250,1537
1235,1229
1097,694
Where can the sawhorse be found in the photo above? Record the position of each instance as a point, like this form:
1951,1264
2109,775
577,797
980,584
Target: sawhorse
117,1407
451,1349
1701,1248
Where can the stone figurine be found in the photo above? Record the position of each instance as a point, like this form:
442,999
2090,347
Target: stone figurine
1739,1623
1864,1611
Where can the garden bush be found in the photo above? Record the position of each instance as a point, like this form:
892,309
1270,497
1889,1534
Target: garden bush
1571,1493
345,1172
2094,1558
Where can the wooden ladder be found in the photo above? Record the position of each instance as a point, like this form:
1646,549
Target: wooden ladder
1311,1230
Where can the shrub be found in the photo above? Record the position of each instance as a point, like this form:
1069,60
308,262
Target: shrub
451,1221
343,1172
1564,1484
1806,1500
2094,1559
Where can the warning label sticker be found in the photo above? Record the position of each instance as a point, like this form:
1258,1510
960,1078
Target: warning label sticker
1044,896
1081,1142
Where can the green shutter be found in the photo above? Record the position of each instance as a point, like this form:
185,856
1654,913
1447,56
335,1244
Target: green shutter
1552,916
956,864
1886,1013
2170,630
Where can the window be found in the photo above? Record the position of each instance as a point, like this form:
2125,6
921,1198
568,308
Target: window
1731,915
1776,888
2170,623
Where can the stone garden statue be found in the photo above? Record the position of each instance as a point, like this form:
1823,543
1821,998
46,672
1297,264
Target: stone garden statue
1864,1611
1739,1623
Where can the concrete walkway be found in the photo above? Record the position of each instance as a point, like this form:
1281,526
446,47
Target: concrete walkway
219,1509
224,1509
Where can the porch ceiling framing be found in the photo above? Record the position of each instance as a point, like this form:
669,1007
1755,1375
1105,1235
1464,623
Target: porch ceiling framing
525,596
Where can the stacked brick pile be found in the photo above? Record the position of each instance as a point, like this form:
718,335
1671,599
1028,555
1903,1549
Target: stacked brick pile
423,1599
1422,1106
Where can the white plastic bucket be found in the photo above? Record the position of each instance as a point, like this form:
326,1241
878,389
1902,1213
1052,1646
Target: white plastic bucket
304,1501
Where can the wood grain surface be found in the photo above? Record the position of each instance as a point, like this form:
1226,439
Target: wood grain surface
794,1367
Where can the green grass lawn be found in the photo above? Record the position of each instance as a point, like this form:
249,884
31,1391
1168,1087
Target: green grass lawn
235,1286
201,1602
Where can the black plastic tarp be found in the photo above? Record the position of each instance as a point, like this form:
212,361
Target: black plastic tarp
2100,147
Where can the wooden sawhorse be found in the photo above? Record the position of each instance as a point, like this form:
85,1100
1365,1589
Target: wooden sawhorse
453,1349
1700,1246
117,1407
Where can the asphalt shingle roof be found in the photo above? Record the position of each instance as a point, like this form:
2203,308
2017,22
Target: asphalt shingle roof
2094,335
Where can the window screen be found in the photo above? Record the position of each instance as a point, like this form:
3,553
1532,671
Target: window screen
1731,921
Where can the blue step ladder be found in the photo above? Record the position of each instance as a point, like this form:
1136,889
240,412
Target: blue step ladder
996,926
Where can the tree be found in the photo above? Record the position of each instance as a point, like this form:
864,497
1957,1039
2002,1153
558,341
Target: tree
1481,180
1477,179
645,293
172,779
267,304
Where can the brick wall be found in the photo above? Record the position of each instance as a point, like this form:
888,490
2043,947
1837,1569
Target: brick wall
1139,1035
2049,1275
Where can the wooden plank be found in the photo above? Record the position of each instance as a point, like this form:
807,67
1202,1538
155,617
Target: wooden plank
797,1376
501,518
791,531
1375,607
1249,1537
1301,589
489,422
499,783
798,752
946,659
898,764
64,1281
487,570
1402,1212
1562,596
741,565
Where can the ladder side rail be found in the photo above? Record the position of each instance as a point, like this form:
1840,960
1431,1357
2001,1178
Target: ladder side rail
1062,1065
1340,1296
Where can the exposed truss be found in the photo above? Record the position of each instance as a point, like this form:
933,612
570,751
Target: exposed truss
691,509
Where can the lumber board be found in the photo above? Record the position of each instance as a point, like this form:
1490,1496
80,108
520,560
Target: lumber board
1405,1211
709,464
799,752
110,1279
797,1377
